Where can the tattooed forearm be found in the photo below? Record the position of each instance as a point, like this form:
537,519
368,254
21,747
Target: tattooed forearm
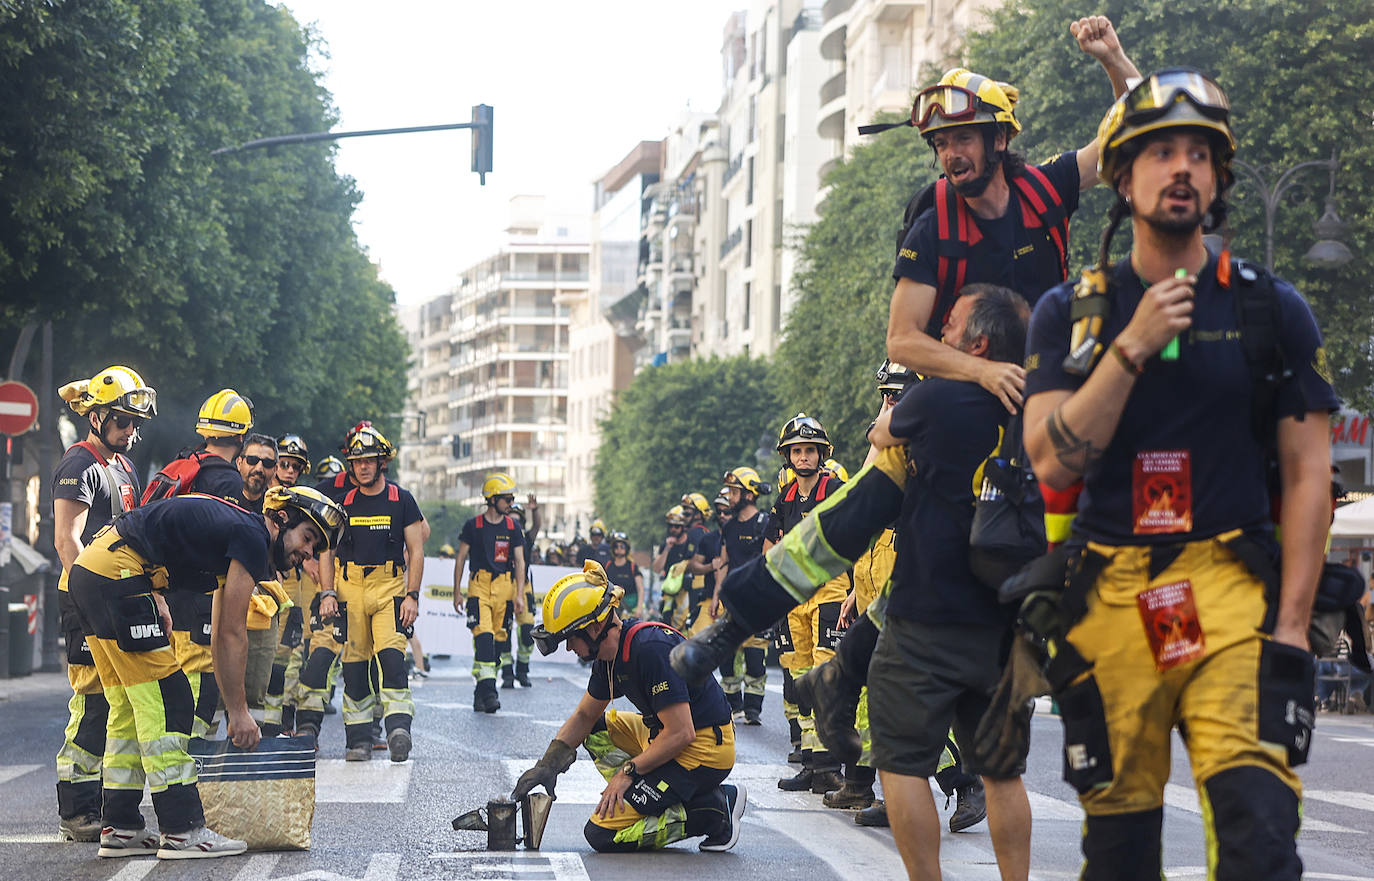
1073,452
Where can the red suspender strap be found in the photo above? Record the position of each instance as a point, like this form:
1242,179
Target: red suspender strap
635,628
340,480
791,493
1041,206
510,524
350,496
392,493
90,448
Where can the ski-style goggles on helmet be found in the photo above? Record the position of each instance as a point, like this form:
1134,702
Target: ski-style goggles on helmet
1153,96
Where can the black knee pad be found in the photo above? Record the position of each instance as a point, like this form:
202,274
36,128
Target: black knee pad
276,682
1122,847
509,617
789,691
393,664
527,635
374,675
828,629
484,648
755,663
315,671
90,731
207,702
603,840
1255,825
178,704
357,679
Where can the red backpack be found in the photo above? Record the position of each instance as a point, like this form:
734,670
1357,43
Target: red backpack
178,475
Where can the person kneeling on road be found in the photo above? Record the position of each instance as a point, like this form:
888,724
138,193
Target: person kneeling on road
665,766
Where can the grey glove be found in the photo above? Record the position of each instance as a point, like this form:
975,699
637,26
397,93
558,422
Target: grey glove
558,758
1002,740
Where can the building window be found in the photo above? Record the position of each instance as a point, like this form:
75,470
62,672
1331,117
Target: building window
748,242
747,304
749,184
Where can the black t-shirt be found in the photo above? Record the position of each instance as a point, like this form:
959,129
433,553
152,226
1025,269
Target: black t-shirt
1009,254
254,505
601,553
376,525
623,575
790,507
218,477
335,487
81,477
649,682
708,546
684,550
195,536
951,427
744,538
1184,463
492,545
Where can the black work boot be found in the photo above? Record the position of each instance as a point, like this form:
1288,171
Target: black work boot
801,781
700,656
850,796
834,698
970,809
873,815
753,709
507,677
522,674
823,781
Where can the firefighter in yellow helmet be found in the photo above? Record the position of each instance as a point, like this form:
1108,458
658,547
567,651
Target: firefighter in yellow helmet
666,762
670,563
492,545
596,547
373,579
92,484
117,584
969,120
301,585
328,468
744,675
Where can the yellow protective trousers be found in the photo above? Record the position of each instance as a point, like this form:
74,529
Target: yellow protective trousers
1145,681
150,699
372,596
490,609
676,800
291,650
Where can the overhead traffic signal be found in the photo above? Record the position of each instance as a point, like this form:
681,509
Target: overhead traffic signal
481,140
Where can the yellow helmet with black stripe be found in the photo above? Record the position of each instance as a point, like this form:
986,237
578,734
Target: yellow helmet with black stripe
114,388
226,413
324,512
574,602
962,97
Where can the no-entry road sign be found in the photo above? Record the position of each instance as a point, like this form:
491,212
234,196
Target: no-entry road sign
18,408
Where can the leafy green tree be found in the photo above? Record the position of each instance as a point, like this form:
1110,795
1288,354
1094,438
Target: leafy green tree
446,519
677,429
1294,72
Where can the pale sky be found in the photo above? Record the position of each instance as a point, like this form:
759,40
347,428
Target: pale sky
574,87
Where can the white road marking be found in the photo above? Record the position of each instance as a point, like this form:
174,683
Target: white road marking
1044,807
31,838
1362,801
340,782
580,785
9,772
135,870
382,867
1362,741
1184,798
565,865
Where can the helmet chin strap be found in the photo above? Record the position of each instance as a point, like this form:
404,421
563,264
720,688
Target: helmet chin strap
279,548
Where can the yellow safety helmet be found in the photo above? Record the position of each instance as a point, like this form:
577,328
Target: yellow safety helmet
369,443
962,97
835,469
598,526
114,388
322,510
226,413
698,502
328,467
803,429
574,602
747,479
1171,98
676,516
498,484
446,550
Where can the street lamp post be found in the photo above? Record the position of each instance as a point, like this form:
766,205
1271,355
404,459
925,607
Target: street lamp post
1328,250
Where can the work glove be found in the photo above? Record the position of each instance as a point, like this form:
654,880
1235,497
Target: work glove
1002,740
558,758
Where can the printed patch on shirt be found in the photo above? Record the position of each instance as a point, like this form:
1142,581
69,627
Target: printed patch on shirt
1161,492
1171,624
1321,365
501,550
662,686
907,253
126,497
1032,361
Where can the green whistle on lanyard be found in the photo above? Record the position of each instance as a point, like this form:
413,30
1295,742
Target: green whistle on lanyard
1170,351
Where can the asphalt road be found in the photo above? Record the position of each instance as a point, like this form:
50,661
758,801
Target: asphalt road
383,822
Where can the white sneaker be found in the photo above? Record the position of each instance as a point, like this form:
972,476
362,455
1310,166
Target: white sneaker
127,842
199,843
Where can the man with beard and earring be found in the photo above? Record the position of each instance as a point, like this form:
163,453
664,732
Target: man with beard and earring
93,484
1204,394
374,578
117,585
301,584
742,540
524,621
806,635
257,466
495,594
990,218
623,572
677,550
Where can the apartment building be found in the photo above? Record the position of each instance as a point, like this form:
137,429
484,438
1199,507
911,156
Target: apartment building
427,422
604,319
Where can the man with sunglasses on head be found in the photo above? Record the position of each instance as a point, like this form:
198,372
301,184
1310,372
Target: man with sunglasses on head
257,466
1204,375
991,217
93,484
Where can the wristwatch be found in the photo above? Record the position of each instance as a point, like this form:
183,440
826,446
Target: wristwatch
330,593
629,769
414,595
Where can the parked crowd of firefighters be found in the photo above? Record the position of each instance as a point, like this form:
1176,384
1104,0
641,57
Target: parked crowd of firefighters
1150,399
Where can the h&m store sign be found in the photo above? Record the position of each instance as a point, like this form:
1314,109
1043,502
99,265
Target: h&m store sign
1350,429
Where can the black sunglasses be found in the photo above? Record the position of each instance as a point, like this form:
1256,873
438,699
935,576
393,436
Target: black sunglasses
293,464
124,420
269,464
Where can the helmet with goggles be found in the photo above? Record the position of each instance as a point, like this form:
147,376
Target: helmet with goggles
696,502
290,446
575,602
803,429
328,467
747,479
115,388
962,97
368,443
598,527
1176,97
676,516
620,538
835,469
319,508
498,484
893,378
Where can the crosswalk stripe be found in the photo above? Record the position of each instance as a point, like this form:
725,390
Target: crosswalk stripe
135,870
1184,798
340,782
1360,801
9,772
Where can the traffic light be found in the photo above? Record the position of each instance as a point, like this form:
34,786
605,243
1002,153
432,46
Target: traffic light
481,140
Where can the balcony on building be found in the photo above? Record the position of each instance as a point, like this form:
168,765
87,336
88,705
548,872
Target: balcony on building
732,171
834,28
682,211
830,124
731,241
891,11
833,8
680,270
